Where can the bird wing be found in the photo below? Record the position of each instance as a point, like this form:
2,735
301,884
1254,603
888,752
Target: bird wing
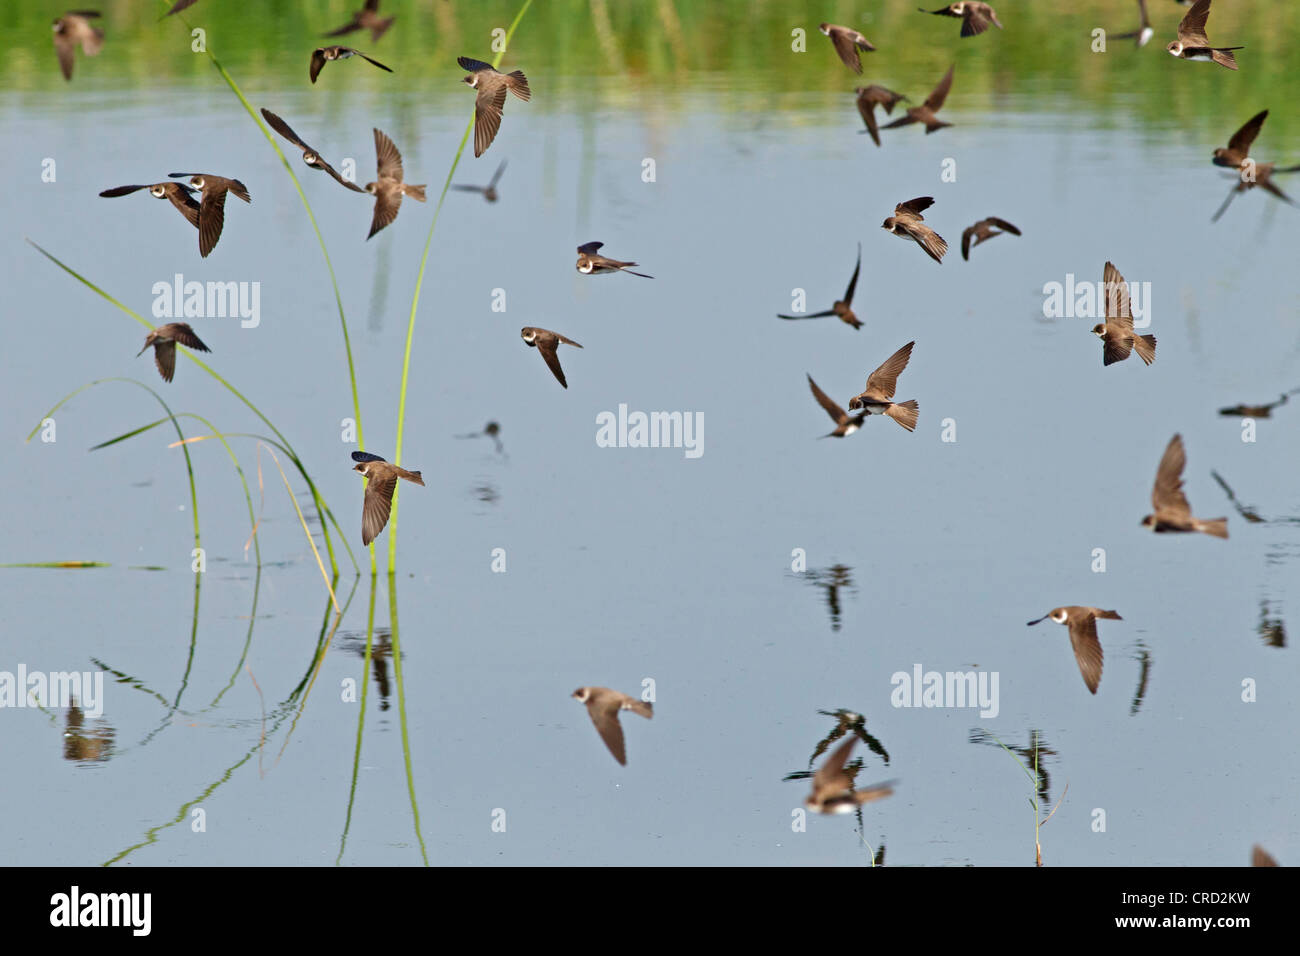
281,127
1242,139
212,218
1003,225
387,204
935,99
487,117
965,240
836,413
547,348
1191,31
853,283
1087,649
496,177
388,158
164,356
372,62
317,64
1117,302
929,240
1167,495
883,381
374,509
605,717
914,206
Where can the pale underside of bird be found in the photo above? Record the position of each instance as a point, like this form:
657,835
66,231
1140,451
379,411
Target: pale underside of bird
875,399
603,707
1171,511
1082,623
1117,334
590,262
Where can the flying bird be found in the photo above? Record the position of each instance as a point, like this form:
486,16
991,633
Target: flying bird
326,54
847,43
309,154
590,263
841,308
378,501
546,342
1145,33
178,194
1172,512
845,424
180,5
832,789
869,97
925,112
908,223
1082,622
1116,333
875,399
603,707
491,99
212,210
164,340
490,190
975,17
984,230
389,188
1238,148
71,30
367,18
1257,411
1193,44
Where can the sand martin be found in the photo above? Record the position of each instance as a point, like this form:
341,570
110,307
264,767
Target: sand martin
875,399
546,342
590,263
164,339
832,789
490,190
1172,512
1193,44
491,100
378,501
1257,411
71,30
842,307
847,44
869,97
975,17
322,55
984,230
908,223
603,706
1082,622
1116,333
845,424
925,112
1238,148
309,155
389,187
212,210
367,18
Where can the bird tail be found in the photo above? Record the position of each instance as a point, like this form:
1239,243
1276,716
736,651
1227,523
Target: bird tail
1223,56
642,707
1217,527
1145,346
411,476
905,413
519,85
415,192
1108,616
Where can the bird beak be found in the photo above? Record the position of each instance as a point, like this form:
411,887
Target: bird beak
1039,621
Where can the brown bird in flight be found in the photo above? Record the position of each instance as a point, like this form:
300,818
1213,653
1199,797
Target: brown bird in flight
603,707
982,231
908,223
71,30
1116,333
389,187
212,210
546,342
847,43
367,18
925,112
869,97
164,340
832,789
841,308
491,100
975,17
1082,622
875,399
1172,512
1193,44
378,501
